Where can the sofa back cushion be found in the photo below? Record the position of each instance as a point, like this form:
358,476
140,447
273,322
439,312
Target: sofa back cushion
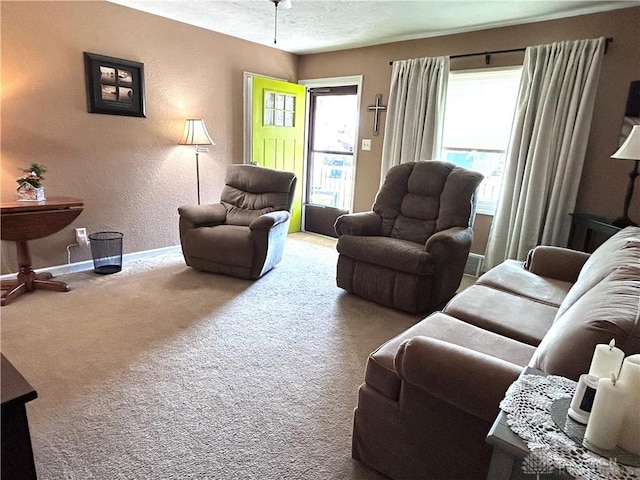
620,252
251,191
418,199
609,310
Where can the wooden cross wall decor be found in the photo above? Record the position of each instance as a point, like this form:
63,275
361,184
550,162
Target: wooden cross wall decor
376,109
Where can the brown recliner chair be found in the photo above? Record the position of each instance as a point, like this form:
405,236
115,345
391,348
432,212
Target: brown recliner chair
410,251
243,235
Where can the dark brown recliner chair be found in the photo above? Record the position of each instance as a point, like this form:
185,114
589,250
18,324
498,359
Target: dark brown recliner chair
409,253
243,235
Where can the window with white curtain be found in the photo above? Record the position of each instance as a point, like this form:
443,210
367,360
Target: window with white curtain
478,117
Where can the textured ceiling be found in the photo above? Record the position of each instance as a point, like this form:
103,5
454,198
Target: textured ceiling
312,26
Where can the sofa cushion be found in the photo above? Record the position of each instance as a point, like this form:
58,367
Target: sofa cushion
609,310
393,253
511,276
621,251
504,313
381,375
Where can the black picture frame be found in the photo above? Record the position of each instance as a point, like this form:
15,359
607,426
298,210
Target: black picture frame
114,86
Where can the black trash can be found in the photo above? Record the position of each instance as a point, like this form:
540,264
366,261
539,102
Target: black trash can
106,250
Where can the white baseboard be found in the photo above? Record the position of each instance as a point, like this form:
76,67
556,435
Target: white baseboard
88,264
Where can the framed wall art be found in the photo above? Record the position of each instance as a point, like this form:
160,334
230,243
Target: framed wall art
114,86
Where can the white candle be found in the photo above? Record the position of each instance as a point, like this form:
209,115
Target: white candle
630,382
606,416
606,359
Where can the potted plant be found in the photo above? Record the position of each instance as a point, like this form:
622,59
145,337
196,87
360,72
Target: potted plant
30,183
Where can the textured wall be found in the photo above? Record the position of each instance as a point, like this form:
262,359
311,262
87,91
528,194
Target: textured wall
604,181
129,171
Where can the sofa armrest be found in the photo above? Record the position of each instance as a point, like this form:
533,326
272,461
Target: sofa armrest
469,380
556,262
269,220
203,215
363,223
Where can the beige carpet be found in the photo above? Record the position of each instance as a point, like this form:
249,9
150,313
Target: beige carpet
163,372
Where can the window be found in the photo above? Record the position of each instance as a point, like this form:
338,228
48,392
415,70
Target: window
477,125
279,109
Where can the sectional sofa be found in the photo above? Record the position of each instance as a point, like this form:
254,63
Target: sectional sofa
431,394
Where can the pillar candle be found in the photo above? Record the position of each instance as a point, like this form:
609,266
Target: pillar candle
607,414
606,359
629,381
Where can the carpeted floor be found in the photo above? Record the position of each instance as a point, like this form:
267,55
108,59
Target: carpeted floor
163,372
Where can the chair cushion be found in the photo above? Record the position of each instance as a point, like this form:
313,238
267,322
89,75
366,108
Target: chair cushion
226,244
393,253
419,199
252,191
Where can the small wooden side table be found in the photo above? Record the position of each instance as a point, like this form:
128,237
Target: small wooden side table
590,224
509,450
17,452
24,221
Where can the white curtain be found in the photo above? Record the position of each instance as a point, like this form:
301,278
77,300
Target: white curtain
415,114
547,147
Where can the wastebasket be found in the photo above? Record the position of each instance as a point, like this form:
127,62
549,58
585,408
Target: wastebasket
106,250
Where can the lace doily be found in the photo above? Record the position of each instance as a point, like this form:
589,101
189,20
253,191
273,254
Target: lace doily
528,407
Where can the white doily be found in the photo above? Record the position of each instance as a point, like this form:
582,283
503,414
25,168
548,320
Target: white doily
528,404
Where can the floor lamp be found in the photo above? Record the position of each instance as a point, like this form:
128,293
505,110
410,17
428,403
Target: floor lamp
630,150
195,133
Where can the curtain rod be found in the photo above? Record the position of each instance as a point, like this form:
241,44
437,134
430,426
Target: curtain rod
487,55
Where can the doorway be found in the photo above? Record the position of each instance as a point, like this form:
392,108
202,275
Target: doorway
274,130
331,153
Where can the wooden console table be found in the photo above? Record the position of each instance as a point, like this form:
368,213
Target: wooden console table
590,224
24,221
17,452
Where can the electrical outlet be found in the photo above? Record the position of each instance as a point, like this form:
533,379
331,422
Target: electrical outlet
366,144
81,236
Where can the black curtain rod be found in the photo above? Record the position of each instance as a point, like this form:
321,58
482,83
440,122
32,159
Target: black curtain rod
487,55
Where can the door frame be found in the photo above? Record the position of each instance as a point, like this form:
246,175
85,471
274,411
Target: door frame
331,82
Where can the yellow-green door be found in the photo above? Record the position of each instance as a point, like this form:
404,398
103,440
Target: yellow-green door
278,132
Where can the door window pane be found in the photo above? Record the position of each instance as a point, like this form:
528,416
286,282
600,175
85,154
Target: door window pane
279,109
335,123
331,180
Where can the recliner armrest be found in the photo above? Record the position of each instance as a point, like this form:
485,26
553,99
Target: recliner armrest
449,240
469,380
203,215
556,262
269,220
362,223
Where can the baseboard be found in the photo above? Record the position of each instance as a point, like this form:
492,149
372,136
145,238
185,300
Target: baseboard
474,265
88,264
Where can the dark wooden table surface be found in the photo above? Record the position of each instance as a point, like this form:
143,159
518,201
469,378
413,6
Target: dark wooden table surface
25,221
16,453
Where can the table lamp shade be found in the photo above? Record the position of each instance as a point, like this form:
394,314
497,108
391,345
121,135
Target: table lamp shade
630,149
195,133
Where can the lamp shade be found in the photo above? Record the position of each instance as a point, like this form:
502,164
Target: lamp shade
195,133
630,149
